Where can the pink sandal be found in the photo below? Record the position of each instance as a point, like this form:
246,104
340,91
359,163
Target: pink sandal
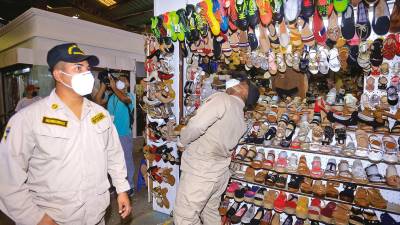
316,170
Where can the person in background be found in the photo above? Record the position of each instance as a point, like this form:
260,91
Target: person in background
31,96
55,157
207,142
120,104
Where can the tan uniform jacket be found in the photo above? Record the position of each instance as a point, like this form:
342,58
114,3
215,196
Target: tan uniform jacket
210,135
52,162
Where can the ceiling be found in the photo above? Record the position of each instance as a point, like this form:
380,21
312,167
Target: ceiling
130,15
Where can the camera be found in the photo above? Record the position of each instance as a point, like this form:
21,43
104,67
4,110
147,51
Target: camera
103,77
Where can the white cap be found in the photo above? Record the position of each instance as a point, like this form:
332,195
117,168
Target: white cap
231,83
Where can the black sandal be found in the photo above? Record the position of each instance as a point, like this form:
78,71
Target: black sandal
290,129
328,135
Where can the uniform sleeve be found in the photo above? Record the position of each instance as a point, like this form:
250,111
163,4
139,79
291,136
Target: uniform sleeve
205,116
19,105
16,150
116,161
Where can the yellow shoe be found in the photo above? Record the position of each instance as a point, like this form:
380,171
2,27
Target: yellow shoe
302,207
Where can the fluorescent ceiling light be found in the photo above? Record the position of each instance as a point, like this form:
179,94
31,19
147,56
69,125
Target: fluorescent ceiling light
108,2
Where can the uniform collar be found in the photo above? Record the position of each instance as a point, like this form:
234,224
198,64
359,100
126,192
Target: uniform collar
56,104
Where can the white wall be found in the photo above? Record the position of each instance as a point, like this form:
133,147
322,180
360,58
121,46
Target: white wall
40,30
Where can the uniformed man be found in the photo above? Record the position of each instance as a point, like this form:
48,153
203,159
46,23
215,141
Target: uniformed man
208,140
56,153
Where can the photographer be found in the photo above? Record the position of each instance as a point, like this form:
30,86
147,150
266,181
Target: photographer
114,93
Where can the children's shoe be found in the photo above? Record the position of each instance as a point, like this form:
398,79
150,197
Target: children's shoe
291,204
327,212
281,163
279,203
230,191
292,163
316,170
269,199
315,209
302,207
295,182
259,197
269,163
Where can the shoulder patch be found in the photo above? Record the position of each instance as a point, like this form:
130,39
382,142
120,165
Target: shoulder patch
6,132
97,118
54,121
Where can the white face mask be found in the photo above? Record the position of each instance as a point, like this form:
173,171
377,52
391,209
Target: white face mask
120,85
81,83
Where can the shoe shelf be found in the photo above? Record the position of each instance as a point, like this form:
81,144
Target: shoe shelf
391,207
368,184
332,153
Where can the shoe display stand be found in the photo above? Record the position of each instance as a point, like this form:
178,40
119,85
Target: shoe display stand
200,28
162,190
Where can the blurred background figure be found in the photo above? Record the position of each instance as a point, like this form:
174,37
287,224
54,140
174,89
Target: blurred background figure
30,96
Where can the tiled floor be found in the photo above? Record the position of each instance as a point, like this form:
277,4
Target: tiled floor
143,213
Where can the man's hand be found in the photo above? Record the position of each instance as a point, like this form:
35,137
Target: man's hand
112,82
124,205
47,220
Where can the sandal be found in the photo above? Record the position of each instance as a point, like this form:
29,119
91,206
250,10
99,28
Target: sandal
306,186
316,170
350,149
269,136
391,149
242,153
269,162
376,198
251,153
328,135
362,143
358,172
361,197
249,174
290,130
392,177
348,192
302,168
281,162
375,153
373,174
271,179
330,170
344,170
260,157
319,189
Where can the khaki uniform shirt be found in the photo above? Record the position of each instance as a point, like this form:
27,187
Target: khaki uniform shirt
211,134
52,162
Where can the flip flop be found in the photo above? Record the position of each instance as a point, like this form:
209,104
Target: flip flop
363,26
289,56
324,7
192,23
243,41
180,33
307,8
232,14
283,34
295,36
277,10
272,67
348,26
221,15
376,57
207,13
304,61
334,63
333,28
319,29
323,64
395,18
340,5
252,13
296,61
307,36
273,36
292,9
252,39
201,22
241,8
264,40
265,11
313,66
343,55
381,19
280,62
